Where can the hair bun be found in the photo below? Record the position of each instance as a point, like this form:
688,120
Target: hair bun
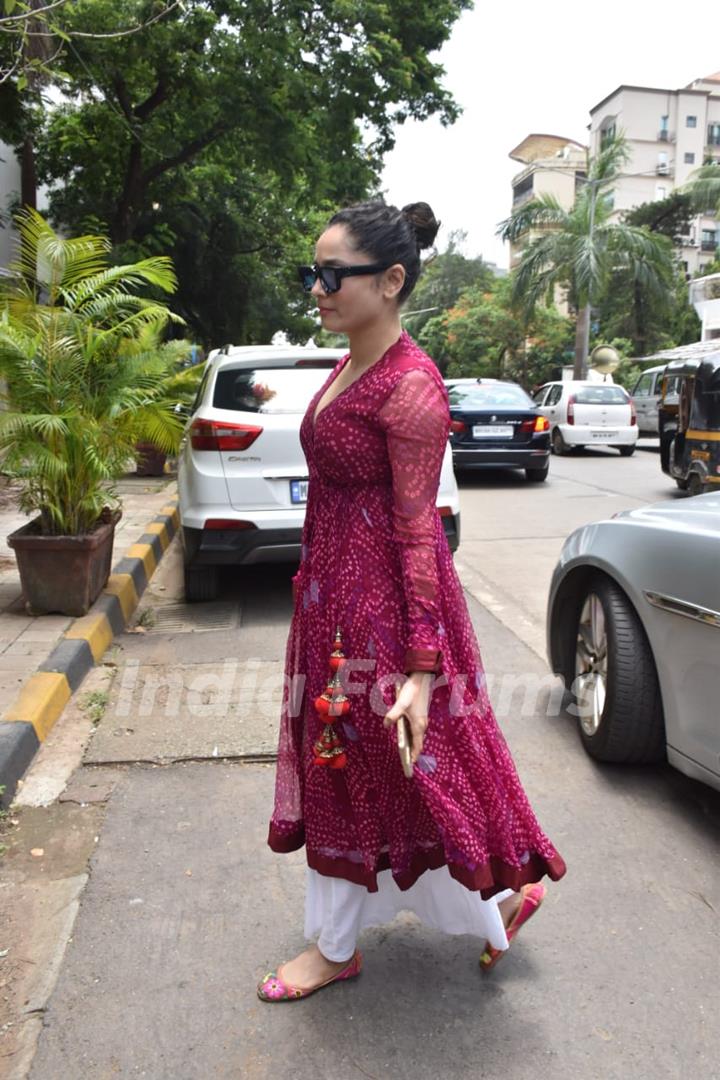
423,222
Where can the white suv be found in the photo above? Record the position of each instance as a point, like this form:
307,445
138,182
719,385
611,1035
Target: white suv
242,475
588,414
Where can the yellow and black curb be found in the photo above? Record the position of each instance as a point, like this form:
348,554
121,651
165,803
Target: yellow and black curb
46,693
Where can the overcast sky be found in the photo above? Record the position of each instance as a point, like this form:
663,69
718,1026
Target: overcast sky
523,67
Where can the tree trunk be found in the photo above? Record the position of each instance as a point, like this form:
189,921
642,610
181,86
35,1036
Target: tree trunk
582,342
127,208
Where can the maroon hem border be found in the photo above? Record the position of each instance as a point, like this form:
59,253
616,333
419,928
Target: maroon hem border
492,877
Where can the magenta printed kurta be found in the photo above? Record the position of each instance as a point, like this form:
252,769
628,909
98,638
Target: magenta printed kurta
376,562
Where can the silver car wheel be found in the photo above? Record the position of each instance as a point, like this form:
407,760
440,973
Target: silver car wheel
591,653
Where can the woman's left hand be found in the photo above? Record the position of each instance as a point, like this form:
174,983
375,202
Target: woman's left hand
412,700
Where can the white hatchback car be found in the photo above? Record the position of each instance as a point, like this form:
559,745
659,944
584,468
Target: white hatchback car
588,414
242,475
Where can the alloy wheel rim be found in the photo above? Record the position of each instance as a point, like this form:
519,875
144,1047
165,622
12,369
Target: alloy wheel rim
591,659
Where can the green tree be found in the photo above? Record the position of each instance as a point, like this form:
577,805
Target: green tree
649,319
580,249
669,217
483,335
220,130
442,281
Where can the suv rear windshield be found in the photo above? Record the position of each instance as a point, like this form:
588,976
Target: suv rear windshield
268,390
491,396
601,395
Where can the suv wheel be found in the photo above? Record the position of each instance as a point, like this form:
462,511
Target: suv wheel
615,685
201,583
537,475
627,451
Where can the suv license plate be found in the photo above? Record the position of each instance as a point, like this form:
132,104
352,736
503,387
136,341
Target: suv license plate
298,491
492,431
604,434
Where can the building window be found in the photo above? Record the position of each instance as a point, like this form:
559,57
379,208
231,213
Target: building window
663,132
709,240
691,121
713,137
662,164
689,159
660,191
607,134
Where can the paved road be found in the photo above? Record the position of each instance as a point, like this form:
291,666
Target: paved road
184,906
512,531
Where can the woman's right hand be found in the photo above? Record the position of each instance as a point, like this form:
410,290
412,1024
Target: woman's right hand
412,700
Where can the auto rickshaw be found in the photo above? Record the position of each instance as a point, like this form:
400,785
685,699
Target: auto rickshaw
689,423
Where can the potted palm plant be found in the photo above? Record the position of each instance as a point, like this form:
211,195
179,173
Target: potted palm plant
175,385
78,394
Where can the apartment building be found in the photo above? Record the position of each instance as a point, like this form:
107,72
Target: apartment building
670,133
552,165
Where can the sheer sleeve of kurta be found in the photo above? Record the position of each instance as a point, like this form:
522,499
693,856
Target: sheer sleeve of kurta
416,421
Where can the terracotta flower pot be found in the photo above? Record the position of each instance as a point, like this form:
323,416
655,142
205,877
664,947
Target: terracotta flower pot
150,460
63,574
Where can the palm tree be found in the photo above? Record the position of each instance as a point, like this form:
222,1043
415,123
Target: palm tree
580,249
85,376
703,187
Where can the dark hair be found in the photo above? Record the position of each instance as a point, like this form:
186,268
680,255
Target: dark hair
389,235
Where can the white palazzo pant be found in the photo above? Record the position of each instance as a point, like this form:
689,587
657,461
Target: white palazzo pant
336,911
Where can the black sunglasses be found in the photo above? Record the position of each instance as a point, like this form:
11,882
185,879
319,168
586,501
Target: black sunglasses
330,277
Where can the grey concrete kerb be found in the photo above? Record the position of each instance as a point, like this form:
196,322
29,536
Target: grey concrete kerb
61,665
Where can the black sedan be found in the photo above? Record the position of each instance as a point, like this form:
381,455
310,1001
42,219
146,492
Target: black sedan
496,425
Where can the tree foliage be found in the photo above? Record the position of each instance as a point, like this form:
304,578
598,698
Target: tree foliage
221,131
442,281
669,217
483,335
647,318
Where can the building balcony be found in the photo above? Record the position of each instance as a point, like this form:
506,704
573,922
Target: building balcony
708,245
666,136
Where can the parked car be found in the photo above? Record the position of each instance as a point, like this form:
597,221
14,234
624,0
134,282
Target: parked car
588,414
633,626
496,425
646,395
242,475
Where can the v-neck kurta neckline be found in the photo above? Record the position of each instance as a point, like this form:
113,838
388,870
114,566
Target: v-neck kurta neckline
316,415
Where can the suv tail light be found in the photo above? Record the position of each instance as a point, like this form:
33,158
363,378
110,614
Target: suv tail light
571,409
633,414
457,427
445,511
222,435
536,424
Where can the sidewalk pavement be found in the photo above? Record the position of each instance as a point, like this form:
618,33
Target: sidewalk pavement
26,641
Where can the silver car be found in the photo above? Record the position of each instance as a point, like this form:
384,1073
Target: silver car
633,626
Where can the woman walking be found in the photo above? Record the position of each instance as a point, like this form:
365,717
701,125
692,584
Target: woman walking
457,842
